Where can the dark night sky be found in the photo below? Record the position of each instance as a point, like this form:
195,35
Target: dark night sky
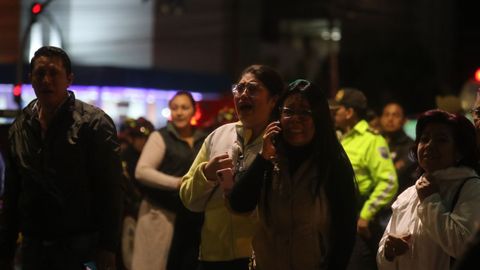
467,40
400,50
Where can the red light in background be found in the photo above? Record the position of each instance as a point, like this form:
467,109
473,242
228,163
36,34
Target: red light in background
17,90
477,75
36,8
197,116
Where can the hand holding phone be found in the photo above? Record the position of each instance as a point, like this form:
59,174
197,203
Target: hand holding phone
225,179
271,137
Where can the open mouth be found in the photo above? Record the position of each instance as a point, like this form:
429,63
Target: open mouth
244,106
46,91
295,131
178,120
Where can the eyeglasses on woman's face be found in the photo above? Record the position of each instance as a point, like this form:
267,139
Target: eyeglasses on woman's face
287,112
296,119
252,89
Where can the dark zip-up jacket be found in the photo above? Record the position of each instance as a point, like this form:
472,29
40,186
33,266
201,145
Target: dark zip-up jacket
66,183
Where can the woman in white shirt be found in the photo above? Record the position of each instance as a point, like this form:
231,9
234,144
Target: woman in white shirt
432,220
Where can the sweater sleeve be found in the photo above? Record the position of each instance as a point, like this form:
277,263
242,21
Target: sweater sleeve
383,172
151,158
246,191
195,188
452,229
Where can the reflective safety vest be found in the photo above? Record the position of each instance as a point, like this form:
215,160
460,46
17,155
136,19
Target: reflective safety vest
374,170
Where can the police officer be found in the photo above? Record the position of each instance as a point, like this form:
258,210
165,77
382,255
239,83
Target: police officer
374,172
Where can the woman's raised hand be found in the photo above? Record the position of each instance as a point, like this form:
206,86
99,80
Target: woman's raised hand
425,187
272,131
218,162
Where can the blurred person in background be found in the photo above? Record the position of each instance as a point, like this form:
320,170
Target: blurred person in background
224,116
449,103
303,185
167,234
476,115
374,173
134,134
226,237
373,119
392,121
433,219
63,177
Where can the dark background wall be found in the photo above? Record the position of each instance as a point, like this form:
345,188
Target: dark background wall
9,29
410,51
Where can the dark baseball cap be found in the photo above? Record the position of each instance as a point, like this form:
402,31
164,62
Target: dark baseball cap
140,127
350,97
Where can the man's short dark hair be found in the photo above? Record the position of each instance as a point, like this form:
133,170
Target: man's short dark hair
51,51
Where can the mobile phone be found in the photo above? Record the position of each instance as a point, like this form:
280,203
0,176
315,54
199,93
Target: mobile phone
225,178
277,137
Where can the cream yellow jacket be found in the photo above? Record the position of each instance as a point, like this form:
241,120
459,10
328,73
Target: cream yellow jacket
225,236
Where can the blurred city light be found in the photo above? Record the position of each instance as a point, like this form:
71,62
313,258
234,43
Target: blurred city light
36,8
17,90
477,75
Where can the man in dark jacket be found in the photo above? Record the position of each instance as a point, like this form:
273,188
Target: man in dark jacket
63,177
392,121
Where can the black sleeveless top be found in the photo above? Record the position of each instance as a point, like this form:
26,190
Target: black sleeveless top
178,158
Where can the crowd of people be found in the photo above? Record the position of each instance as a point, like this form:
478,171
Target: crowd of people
300,181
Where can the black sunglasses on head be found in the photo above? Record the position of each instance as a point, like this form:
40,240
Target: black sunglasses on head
300,84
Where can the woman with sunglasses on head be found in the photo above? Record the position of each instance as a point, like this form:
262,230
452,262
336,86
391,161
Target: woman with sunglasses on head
302,184
433,220
226,237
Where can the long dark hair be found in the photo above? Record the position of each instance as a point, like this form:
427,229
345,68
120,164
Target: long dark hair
463,132
335,173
